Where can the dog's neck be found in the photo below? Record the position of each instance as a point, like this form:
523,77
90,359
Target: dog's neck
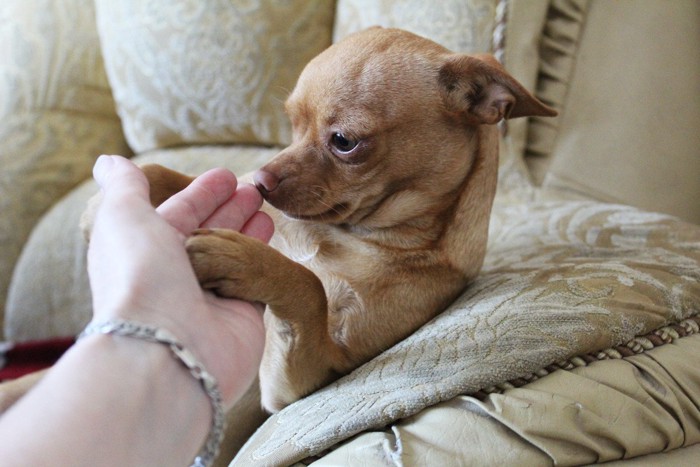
454,222
421,231
454,233
466,235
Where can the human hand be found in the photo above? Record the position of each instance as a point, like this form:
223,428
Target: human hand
139,269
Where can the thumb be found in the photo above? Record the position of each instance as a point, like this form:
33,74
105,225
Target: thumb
125,193
118,175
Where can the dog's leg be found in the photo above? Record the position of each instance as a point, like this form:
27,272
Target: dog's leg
241,422
164,182
12,391
300,355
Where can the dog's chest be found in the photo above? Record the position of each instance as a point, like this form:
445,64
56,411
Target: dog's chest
326,253
345,265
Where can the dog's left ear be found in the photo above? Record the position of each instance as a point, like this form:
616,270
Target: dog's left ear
478,89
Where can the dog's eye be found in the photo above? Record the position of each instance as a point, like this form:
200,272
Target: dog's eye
343,144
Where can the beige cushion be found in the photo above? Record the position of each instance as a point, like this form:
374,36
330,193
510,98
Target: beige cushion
630,99
207,71
460,25
558,40
524,22
609,410
49,295
56,114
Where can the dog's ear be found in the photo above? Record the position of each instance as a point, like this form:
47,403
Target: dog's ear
478,89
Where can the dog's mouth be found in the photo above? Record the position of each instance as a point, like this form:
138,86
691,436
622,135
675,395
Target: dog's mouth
334,213
338,213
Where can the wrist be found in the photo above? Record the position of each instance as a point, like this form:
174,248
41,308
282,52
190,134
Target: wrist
188,363
109,400
163,413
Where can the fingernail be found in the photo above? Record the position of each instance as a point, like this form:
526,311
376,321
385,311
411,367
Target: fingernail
103,165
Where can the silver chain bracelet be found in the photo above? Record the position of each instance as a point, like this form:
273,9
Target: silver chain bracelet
210,450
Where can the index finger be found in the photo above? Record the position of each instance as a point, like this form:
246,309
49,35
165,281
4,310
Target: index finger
191,207
237,210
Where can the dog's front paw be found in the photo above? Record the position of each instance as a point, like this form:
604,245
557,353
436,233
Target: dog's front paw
227,262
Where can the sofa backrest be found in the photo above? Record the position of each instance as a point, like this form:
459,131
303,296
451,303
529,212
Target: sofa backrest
625,76
208,71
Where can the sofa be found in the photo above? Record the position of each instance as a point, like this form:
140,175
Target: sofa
579,343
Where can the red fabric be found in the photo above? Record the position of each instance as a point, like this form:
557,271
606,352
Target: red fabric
27,357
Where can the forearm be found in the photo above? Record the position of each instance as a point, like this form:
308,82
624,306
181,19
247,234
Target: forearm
109,401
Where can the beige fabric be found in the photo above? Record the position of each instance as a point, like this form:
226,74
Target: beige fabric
619,408
681,457
49,295
56,113
460,25
453,433
525,20
208,71
559,280
558,48
630,127
609,410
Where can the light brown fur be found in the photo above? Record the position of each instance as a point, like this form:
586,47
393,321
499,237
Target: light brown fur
372,244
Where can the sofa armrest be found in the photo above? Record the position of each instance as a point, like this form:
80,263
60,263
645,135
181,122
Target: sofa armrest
57,114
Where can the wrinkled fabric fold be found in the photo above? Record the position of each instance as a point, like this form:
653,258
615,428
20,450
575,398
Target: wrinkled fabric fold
557,58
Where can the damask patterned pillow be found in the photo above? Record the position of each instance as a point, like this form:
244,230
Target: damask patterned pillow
208,71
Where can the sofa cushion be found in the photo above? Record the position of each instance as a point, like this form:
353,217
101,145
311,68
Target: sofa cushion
208,71
626,78
56,113
616,408
558,46
49,295
460,25
523,29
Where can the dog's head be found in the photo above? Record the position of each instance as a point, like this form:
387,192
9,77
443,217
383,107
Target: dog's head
383,128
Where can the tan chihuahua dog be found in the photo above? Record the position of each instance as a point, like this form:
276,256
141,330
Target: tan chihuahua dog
383,202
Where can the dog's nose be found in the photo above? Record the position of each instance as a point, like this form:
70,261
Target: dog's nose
265,181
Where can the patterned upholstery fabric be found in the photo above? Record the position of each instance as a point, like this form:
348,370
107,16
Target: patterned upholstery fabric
640,410
208,71
460,25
